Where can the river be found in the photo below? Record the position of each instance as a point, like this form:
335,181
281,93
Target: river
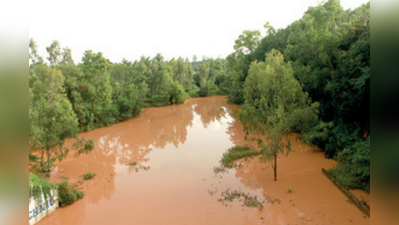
159,168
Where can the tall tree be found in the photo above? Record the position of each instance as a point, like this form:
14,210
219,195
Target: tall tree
67,56
54,51
239,62
248,41
274,105
97,90
34,57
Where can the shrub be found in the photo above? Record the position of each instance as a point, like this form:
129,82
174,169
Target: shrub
353,169
67,195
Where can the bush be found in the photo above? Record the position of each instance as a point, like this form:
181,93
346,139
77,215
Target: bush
353,169
68,195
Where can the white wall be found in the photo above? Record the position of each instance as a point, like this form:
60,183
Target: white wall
38,211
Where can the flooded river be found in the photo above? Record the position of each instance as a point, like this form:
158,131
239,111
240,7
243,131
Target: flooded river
159,169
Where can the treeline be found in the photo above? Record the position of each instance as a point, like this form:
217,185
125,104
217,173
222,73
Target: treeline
67,98
210,76
329,51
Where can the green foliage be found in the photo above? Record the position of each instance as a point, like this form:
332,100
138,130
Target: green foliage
329,51
67,195
38,186
89,176
235,153
353,169
247,42
54,50
275,105
289,189
177,94
32,158
247,199
210,76
52,119
33,54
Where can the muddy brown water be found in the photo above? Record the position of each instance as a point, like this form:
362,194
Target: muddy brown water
176,149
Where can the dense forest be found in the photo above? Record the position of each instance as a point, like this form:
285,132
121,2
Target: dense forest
328,51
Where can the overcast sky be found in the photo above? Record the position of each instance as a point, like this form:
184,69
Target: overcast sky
129,29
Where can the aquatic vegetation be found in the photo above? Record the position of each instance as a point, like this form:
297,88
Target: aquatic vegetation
237,152
247,199
89,176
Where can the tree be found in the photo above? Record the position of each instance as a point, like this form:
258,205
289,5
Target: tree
33,55
54,50
160,78
96,89
52,119
248,41
129,89
67,56
239,62
203,80
274,105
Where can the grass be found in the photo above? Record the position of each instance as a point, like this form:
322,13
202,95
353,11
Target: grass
289,189
237,152
89,176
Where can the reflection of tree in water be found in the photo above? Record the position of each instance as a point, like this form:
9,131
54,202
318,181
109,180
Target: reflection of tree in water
133,140
125,143
214,109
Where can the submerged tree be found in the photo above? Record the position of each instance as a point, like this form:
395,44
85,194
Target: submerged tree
274,105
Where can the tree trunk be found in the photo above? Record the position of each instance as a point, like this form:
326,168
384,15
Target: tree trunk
48,169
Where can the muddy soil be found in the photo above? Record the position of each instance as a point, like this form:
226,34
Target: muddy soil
159,168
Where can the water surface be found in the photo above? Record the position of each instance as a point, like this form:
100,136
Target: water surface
159,169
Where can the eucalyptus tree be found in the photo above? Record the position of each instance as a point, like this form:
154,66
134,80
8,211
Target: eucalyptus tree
55,54
34,57
67,56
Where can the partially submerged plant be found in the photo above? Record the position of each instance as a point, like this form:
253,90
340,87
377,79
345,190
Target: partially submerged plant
89,176
237,152
68,195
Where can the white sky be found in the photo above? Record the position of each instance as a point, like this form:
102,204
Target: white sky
129,29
